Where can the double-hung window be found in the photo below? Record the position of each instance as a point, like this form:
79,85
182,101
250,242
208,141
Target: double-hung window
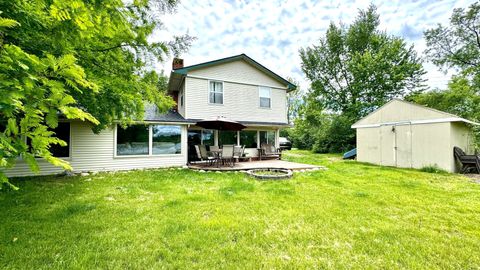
265,99
216,92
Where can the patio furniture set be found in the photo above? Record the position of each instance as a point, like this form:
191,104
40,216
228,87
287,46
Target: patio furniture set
229,154
470,163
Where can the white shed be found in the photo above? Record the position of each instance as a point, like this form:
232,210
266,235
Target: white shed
408,135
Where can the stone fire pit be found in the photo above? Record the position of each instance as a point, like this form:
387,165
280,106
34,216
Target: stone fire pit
270,173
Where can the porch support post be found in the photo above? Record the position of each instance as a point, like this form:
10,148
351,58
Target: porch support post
277,138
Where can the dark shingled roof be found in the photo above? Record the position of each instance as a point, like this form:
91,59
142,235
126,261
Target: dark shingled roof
152,114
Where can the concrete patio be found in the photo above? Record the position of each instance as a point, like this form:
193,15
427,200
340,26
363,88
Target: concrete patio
241,166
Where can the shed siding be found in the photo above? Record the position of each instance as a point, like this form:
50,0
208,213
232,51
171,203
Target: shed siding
430,146
237,71
240,102
95,152
461,136
368,146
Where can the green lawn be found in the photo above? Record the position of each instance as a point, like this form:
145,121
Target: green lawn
351,216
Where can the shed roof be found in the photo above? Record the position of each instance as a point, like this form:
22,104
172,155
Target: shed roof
398,111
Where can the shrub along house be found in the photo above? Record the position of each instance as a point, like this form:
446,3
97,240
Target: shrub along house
237,87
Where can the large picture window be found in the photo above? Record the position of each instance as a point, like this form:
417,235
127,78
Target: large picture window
248,138
227,137
264,94
216,92
267,137
166,139
133,140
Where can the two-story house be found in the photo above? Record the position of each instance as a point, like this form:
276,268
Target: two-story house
237,87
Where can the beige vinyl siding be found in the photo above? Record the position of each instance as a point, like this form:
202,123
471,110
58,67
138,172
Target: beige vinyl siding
95,152
237,71
241,102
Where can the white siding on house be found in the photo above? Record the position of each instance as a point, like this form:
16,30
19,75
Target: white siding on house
95,152
241,102
181,109
237,71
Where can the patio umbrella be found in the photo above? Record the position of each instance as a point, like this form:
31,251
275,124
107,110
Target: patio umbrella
221,123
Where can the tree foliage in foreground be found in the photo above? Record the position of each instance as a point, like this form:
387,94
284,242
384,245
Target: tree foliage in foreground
85,60
353,70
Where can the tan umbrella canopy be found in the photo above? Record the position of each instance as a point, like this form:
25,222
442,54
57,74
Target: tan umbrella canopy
221,123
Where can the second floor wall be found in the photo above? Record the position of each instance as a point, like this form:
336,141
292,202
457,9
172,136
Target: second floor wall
243,93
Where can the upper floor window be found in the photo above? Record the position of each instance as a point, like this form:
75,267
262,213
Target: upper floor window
265,99
216,92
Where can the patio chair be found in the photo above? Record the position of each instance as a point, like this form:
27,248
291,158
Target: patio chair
227,154
238,152
214,148
267,150
204,156
469,162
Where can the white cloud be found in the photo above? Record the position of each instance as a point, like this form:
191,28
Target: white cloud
272,31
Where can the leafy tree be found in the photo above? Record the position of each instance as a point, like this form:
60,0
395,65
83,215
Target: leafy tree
354,70
460,98
458,44
86,60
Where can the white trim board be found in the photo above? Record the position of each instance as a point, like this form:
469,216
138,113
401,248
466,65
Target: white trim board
414,122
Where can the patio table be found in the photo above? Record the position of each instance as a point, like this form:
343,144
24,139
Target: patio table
217,154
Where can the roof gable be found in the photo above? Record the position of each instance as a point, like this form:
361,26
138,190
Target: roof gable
398,110
241,57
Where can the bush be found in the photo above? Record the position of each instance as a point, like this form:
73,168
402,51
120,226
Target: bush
432,169
323,133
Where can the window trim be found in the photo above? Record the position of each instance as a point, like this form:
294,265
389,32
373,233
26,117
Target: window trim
260,87
150,142
150,151
210,90
267,130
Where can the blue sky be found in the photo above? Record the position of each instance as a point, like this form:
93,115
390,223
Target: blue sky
272,32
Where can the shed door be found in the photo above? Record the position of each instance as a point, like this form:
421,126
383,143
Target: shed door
403,146
387,149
